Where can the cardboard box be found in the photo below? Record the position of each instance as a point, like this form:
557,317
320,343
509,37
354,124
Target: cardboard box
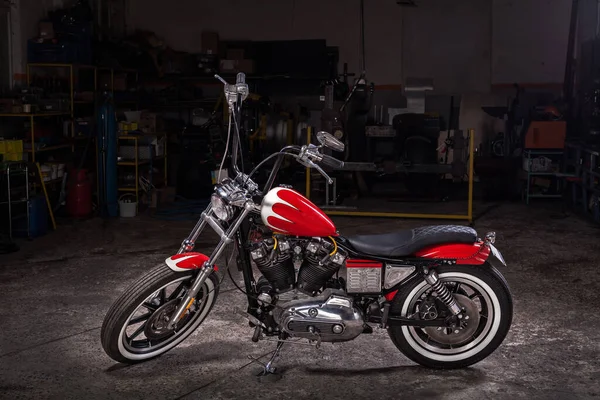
546,135
150,123
120,83
233,66
246,66
235,54
167,195
210,42
228,65
46,29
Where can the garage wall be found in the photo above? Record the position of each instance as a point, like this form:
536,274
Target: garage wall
465,45
529,40
450,42
336,20
25,15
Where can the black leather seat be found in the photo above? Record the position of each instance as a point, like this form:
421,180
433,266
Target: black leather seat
407,242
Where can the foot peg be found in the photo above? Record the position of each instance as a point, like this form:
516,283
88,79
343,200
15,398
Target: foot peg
253,320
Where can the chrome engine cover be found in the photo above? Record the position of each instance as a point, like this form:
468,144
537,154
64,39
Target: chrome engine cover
330,317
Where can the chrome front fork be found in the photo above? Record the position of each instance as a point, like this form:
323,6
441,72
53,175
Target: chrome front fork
188,244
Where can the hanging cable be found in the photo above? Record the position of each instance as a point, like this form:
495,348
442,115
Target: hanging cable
226,148
239,141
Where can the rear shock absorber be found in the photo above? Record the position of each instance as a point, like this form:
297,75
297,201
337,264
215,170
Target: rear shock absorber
442,291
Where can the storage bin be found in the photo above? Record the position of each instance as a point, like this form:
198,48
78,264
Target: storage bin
11,150
11,146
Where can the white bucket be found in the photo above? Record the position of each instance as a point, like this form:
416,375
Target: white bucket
127,208
54,171
46,172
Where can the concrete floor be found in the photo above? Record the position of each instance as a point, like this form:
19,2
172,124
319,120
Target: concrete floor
56,290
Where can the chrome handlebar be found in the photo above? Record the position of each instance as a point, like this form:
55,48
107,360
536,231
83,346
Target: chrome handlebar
233,90
309,155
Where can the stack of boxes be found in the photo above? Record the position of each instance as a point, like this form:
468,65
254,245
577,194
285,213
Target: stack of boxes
235,60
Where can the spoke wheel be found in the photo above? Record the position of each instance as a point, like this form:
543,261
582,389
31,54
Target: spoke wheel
136,327
480,291
479,316
461,334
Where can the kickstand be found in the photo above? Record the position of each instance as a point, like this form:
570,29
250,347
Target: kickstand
268,371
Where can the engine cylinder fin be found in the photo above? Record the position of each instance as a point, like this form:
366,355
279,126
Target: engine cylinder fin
276,266
313,276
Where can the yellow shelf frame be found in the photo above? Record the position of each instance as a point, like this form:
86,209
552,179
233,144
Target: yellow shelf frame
71,113
137,163
32,118
468,216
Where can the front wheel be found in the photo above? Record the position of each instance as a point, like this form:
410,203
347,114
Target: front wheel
135,327
484,295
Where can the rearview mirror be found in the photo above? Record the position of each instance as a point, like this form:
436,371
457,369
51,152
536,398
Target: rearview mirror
329,141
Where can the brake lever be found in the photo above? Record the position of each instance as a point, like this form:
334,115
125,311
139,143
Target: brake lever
318,168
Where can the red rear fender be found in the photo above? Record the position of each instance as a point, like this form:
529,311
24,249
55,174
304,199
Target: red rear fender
469,254
187,261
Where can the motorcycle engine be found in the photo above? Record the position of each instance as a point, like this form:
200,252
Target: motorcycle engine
318,308
319,260
329,317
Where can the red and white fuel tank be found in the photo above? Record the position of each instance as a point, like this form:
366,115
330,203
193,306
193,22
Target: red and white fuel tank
287,211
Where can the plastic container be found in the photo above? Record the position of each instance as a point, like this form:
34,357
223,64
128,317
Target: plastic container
46,172
127,207
54,168
11,146
11,150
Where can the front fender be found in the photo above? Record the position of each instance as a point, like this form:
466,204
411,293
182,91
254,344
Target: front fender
187,261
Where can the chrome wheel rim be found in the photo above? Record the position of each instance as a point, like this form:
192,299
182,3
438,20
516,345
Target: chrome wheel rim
141,334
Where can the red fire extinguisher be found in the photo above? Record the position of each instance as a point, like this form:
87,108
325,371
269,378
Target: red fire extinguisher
79,194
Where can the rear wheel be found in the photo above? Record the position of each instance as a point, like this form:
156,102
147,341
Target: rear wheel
135,327
481,291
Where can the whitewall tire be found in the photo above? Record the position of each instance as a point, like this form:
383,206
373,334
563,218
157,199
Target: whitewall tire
485,294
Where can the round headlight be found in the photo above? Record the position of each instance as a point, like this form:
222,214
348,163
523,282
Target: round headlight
221,210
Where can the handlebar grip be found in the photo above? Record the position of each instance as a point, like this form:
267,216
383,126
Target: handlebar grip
331,162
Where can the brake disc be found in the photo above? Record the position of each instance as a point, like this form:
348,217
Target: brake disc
157,326
462,333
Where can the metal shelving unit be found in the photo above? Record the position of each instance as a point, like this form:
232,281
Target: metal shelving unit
528,156
111,73
73,70
14,169
32,118
582,165
137,163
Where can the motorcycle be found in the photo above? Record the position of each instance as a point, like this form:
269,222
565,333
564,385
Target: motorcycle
437,290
